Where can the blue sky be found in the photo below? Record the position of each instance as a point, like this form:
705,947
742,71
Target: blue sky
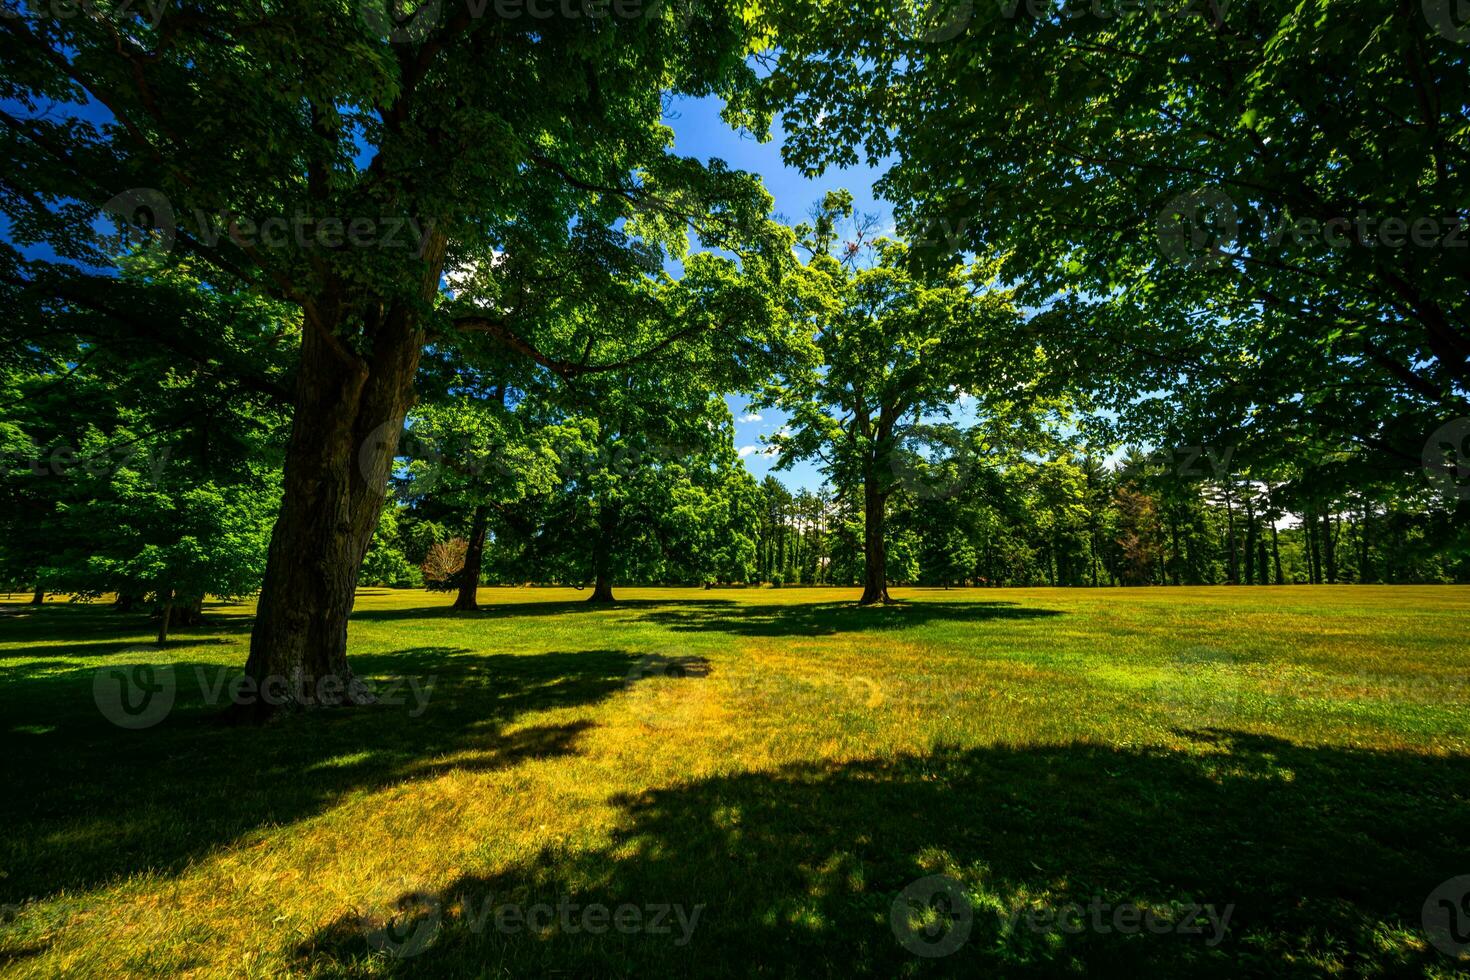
700,132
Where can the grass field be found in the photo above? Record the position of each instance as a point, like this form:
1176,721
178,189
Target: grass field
1165,782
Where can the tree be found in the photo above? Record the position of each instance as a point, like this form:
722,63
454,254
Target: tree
343,167
894,348
1251,214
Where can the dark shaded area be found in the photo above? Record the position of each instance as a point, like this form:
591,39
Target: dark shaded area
87,801
798,870
828,618
747,619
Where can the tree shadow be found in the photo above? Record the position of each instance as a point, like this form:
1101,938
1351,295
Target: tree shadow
1317,855
548,607
87,801
829,618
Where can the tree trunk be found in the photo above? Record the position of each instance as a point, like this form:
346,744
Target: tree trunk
188,611
1234,568
38,598
1250,542
344,432
1329,547
875,549
1314,555
167,599
1276,554
469,578
127,602
602,590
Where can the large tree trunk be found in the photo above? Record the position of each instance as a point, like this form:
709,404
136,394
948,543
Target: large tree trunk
348,418
469,578
38,598
875,549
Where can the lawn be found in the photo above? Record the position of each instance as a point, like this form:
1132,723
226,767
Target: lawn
1153,782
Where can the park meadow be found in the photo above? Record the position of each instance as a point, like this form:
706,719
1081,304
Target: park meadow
748,780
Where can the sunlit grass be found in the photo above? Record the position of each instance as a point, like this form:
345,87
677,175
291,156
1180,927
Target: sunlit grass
783,760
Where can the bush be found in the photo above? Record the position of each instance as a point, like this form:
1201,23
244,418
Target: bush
443,564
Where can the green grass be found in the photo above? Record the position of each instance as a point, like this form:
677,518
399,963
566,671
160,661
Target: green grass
779,759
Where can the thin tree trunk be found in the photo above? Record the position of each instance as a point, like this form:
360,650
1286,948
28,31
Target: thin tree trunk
1276,554
1329,547
1230,535
1250,542
165,615
469,577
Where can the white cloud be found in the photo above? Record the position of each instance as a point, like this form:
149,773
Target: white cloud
748,450
750,417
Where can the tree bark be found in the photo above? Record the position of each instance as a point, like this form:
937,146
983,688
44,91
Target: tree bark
1276,554
348,418
1329,547
875,549
1250,542
1234,568
38,598
602,590
167,599
469,578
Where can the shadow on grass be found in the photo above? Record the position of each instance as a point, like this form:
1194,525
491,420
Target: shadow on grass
744,618
86,801
74,629
541,607
828,618
1318,855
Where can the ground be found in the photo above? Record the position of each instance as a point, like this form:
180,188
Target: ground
1203,782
